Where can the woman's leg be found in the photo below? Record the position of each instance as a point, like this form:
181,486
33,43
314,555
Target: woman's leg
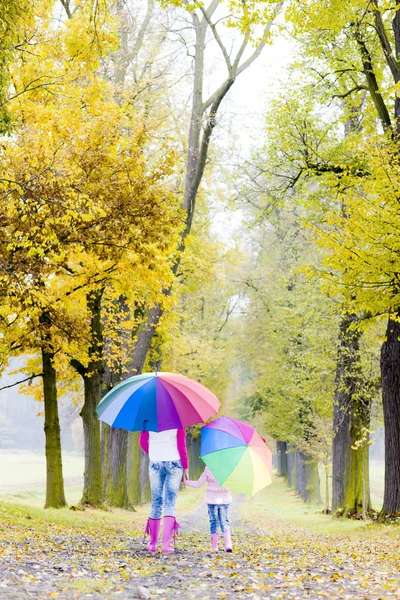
157,477
173,478
157,474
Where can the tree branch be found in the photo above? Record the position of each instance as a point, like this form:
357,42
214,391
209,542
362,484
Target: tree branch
67,8
218,40
386,47
372,83
357,88
5,387
238,69
78,366
142,32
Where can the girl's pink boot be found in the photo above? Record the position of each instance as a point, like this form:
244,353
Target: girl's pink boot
153,528
227,541
214,542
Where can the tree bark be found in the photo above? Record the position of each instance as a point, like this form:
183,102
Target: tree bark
114,480
291,460
55,496
390,370
92,376
281,448
92,482
351,413
390,352
313,485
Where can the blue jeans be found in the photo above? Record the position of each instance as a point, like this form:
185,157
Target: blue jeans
218,514
165,478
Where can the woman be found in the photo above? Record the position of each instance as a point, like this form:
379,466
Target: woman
169,465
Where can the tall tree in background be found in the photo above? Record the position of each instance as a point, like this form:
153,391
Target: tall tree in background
204,114
371,34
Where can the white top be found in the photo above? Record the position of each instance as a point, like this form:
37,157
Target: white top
163,445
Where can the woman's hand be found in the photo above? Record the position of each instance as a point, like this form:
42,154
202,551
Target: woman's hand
185,476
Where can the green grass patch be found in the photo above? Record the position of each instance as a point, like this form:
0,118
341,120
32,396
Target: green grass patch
29,514
279,503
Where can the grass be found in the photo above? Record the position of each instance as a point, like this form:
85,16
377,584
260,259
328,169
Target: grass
277,503
22,483
23,510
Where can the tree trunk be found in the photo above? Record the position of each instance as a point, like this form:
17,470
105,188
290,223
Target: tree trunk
291,465
390,357
307,479
300,475
55,497
92,482
195,462
390,369
281,448
118,448
313,487
351,413
92,379
114,480
133,469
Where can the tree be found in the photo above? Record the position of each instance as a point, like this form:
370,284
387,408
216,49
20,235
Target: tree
93,213
364,244
290,348
204,114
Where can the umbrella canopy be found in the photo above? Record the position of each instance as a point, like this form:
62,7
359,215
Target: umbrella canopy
157,402
236,455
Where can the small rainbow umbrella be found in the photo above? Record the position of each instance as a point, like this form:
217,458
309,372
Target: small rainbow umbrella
157,402
236,455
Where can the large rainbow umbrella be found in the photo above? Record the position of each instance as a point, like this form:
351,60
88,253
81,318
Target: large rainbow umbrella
236,455
157,402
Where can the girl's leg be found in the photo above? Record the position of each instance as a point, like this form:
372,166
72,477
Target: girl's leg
213,516
174,472
223,515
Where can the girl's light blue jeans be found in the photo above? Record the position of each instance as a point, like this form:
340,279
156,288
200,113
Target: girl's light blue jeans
219,515
165,478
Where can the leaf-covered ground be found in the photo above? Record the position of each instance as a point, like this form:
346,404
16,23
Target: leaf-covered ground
95,554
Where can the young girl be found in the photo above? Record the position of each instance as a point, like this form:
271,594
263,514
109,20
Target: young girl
218,500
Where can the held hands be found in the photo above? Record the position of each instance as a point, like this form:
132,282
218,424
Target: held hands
185,475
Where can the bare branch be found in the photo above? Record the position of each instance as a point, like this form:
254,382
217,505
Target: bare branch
67,8
5,387
261,45
142,32
238,69
218,40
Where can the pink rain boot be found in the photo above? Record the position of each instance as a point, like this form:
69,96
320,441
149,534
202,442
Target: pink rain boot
227,541
170,528
214,542
153,528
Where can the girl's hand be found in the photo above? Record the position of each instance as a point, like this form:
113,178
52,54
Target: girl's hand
185,475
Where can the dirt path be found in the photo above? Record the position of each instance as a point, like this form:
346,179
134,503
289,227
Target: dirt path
274,560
